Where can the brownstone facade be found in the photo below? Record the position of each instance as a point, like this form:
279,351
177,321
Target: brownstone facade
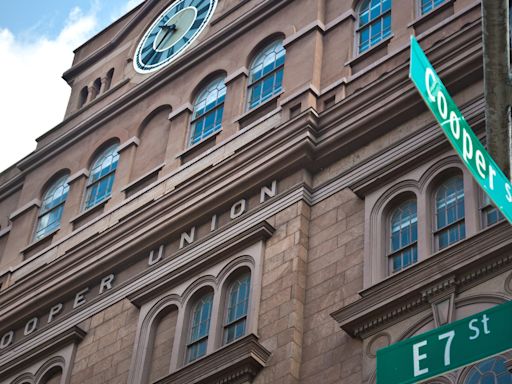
137,246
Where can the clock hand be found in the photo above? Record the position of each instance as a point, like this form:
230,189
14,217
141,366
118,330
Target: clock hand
168,28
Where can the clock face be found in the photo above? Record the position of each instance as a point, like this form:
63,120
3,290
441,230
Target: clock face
173,31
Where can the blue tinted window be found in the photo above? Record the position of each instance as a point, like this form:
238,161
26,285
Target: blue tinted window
208,111
237,308
374,23
51,208
266,74
199,327
449,203
101,178
403,229
428,5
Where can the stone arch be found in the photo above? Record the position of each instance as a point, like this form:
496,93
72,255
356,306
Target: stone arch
153,133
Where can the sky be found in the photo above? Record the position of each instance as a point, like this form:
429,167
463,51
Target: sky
37,39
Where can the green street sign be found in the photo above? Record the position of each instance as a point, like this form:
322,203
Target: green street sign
448,347
459,133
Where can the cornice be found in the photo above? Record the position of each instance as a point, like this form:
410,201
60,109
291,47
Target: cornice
27,356
236,363
459,267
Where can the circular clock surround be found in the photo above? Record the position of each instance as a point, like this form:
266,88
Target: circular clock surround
171,33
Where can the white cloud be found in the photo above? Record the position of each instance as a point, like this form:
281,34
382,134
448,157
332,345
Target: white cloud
33,95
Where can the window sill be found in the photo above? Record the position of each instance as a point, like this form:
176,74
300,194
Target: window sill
369,52
256,111
142,181
37,243
237,362
199,148
90,211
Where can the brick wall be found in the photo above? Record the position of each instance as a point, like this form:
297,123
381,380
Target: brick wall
104,355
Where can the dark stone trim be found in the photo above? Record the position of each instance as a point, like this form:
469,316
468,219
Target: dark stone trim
238,362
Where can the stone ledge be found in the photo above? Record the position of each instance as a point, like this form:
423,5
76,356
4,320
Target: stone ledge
238,362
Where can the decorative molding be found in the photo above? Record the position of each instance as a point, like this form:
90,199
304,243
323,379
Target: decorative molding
5,231
27,356
316,25
142,178
84,172
308,87
35,203
235,363
347,15
185,108
128,143
460,267
242,71
90,211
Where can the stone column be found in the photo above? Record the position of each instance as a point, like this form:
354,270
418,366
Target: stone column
235,102
178,137
76,195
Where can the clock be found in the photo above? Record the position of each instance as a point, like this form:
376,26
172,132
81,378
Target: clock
171,33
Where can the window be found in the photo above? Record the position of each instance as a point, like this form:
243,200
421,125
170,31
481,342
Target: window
490,214
492,370
266,74
199,328
449,205
427,5
237,307
208,110
52,207
82,98
108,79
96,88
403,231
101,178
374,23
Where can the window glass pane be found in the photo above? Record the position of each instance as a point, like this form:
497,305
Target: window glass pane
266,73
386,29
364,17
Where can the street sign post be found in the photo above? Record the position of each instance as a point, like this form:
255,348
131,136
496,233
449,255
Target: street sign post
459,133
448,347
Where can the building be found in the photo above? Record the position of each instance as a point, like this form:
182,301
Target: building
250,192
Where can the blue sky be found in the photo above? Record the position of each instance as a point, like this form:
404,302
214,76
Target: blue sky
37,39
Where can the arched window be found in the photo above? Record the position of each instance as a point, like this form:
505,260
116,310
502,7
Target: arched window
82,98
428,5
490,214
208,110
52,207
266,74
101,177
237,306
199,327
492,371
403,236
96,88
108,79
449,212
374,23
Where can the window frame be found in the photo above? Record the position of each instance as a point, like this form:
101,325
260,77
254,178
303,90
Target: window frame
436,231
202,338
368,24
262,53
218,105
227,323
420,10
390,253
107,151
486,207
61,181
